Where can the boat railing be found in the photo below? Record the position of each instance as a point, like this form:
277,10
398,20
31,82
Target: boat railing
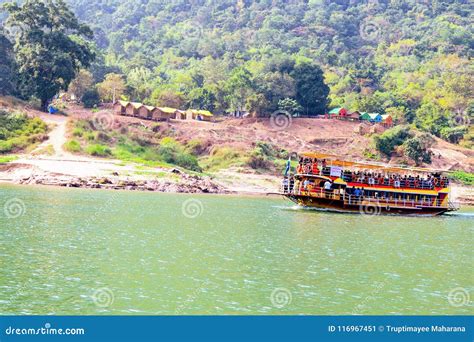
366,181
391,202
453,206
350,199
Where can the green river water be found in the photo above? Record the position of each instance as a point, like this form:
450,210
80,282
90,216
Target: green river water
77,251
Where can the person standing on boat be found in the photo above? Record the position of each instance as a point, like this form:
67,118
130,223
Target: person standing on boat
314,167
327,188
285,185
305,184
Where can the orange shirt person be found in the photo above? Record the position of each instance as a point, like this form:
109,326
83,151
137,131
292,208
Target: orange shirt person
314,167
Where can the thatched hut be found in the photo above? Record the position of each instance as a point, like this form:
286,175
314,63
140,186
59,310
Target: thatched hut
119,107
132,108
180,115
191,114
146,112
205,115
163,113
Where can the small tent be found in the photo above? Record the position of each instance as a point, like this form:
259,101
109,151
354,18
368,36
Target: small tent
337,112
375,117
364,116
354,116
387,120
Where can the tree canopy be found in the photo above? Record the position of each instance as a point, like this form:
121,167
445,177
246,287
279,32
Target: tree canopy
50,46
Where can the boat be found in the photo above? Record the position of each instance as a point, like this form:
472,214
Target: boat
326,182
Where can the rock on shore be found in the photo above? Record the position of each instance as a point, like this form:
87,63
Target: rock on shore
185,184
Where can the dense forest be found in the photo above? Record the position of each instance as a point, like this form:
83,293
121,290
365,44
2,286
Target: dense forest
411,59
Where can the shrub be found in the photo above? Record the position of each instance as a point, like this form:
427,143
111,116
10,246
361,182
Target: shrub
173,152
98,150
416,148
196,147
454,134
17,131
463,177
78,132
72,146
391,138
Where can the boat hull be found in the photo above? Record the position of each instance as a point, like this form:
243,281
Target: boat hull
363,208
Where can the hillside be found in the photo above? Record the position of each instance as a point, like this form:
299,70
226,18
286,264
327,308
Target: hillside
408,58
245,155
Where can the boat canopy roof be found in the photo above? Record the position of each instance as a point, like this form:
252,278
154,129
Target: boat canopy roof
334,160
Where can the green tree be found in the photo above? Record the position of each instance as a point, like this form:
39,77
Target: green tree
391,138
417,148
431,118
50,46
311,91
238,88
7,66
202,98
112,86
290,105
83,82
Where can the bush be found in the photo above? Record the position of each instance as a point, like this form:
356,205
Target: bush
463,177
78,132
454,134
91,98
98,150
72,146
416,148
173,152
391,138
17,131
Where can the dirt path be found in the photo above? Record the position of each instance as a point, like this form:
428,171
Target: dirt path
57,135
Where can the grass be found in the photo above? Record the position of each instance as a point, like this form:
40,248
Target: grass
73,146
7,159
47,150
463,177
223,158
98,150
135,144
19,132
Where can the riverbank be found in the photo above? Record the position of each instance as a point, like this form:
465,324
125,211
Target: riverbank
113,175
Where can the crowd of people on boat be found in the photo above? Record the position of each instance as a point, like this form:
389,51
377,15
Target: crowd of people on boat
292,185
320,167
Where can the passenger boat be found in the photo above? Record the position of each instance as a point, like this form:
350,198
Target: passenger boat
326,182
